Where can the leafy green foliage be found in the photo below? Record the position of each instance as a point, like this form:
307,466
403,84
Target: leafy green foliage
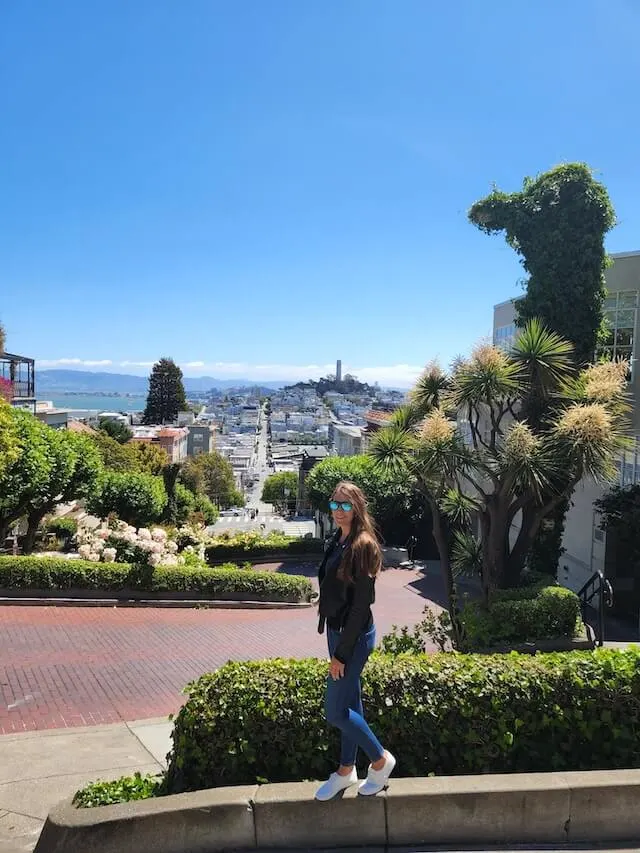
212,475
115,457
147,458
275,486
29,473
9,441
557,224
166,395
122,790
64,528
75,467
522,615
444,714
432,628
398,509
138,499
117,430
187,505
252,544
226,582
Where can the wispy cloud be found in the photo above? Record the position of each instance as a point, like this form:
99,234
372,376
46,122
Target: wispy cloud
75,362
401,375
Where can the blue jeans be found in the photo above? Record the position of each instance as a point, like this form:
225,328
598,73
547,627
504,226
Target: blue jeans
343,703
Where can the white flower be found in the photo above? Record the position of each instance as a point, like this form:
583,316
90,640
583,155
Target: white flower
154,559
84,551
98,546
172,547
109,555
144,533
102,534
94,557
158,534
121,526
169,560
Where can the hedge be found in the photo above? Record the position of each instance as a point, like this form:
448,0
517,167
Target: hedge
443,714
521,615
295,547
224,582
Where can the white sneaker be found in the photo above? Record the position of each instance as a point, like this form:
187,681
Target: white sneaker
376,780
336,783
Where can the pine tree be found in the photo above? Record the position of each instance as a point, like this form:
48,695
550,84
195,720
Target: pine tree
166,395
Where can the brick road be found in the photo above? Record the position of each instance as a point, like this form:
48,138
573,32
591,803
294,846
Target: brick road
78,666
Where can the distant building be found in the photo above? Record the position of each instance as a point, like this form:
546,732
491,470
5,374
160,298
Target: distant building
338,370
17,378
49,415
199,439
347,440
174,440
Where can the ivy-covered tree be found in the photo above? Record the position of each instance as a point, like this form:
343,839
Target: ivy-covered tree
166,395
557,224
75,468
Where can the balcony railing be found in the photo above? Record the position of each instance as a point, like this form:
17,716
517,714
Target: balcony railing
19,372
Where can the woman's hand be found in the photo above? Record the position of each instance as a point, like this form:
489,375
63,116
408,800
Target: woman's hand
336,669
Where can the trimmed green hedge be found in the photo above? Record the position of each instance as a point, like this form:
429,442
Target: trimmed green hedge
224,582
538,612
294,547
443,714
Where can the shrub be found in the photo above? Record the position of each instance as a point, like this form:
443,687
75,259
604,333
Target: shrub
252,544
63,528
522,615
433,627
228,582
444,714
138,499
122,790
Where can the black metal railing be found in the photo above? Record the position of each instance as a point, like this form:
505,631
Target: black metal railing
599,589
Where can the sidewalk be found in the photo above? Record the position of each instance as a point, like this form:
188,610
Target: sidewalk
38,769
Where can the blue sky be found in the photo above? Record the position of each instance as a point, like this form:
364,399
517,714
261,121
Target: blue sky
257,187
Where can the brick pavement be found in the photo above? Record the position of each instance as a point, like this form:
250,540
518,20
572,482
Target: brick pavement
77,666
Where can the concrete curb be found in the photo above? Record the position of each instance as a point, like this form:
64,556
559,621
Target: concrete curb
534,808
127,602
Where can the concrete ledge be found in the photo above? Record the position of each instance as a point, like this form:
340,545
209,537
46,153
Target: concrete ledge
286,815
217,819
516,809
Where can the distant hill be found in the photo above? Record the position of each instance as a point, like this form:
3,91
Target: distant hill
88,382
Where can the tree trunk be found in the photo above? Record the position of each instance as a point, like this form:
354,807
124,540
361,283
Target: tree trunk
439,534
29,541
495,548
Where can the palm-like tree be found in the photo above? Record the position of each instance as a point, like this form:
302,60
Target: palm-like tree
504,437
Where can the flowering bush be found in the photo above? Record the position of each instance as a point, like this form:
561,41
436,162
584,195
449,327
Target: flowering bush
117,541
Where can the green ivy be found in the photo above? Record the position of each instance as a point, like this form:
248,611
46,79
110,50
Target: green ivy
122,790
444,714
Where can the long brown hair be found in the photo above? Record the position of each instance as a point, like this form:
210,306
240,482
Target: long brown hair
364,551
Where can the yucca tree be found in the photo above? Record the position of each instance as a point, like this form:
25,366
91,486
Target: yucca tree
475,445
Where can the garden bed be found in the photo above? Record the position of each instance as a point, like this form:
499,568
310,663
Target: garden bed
37,577
253,546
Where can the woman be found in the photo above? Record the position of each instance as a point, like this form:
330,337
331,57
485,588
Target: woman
347,578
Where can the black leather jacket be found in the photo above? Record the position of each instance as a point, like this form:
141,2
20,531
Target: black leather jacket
344,607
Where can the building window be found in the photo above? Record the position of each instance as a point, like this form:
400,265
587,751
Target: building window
620,316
